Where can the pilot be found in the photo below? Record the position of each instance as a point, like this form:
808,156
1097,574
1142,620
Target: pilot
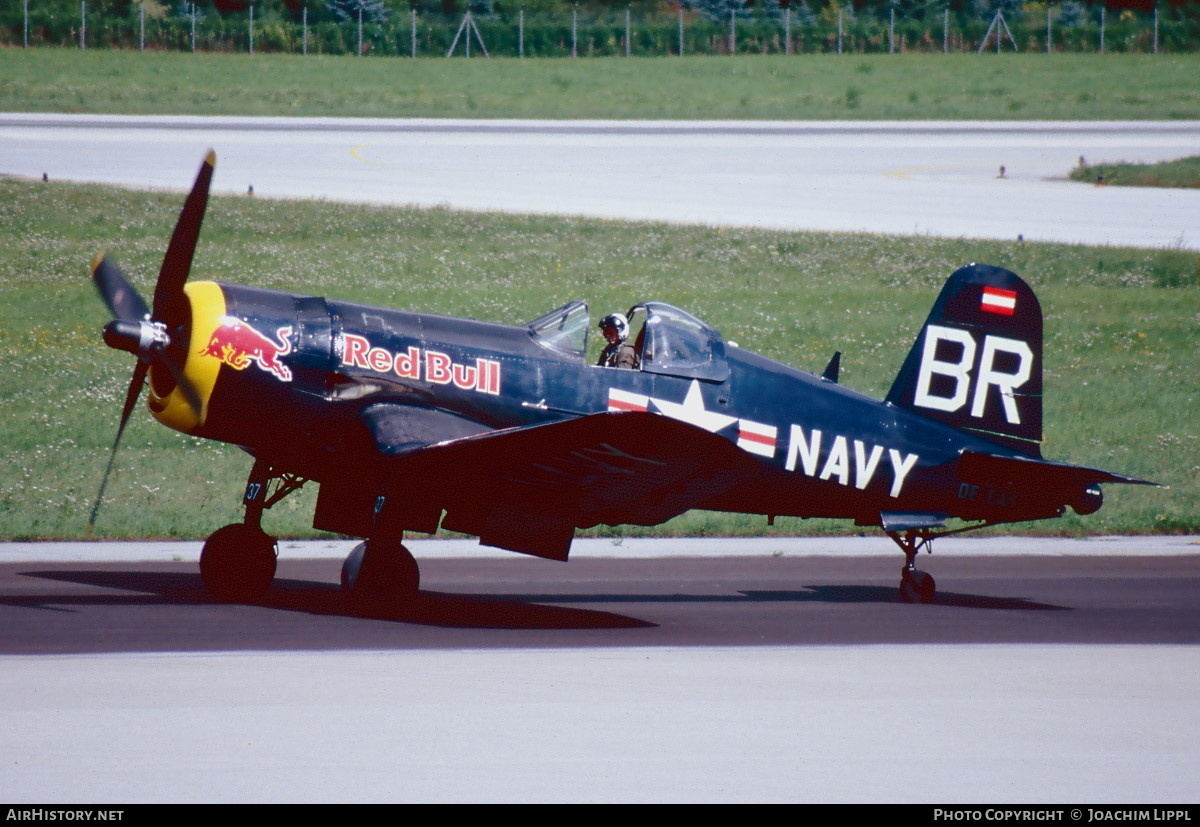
618,353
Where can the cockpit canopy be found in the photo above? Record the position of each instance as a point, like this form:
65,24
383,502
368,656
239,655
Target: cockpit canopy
564,330
676,343
668,340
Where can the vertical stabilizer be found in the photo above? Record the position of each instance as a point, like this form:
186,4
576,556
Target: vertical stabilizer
977,363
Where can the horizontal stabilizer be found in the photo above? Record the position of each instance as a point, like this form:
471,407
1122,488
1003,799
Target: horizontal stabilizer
1038,471
1048,482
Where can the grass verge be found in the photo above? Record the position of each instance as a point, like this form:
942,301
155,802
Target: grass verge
1182,173
801,87
1122,332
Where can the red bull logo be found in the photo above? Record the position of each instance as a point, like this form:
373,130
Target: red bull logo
237,344
430,366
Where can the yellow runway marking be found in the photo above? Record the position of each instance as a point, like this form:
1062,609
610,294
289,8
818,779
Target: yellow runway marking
356,154
904,173
1028,166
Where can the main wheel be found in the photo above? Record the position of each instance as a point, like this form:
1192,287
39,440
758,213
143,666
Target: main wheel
238,562
381,575
917,586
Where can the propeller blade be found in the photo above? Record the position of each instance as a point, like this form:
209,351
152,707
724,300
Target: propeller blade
118,294
135,331
181,381
168,292
131,397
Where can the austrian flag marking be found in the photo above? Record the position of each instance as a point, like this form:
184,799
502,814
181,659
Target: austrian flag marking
996,300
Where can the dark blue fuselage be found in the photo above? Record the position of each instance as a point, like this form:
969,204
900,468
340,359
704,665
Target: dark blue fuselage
823,449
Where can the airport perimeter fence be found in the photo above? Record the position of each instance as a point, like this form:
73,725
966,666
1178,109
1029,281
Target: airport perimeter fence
600,34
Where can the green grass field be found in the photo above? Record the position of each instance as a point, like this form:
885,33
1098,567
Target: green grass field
808,87
1122,335
1184,172
1121,324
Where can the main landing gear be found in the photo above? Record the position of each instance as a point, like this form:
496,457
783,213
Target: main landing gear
380,575
238,560
916,586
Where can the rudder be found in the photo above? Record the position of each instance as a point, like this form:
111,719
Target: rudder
977,362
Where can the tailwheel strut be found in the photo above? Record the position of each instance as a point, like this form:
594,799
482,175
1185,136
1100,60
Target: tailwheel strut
916,586
237,563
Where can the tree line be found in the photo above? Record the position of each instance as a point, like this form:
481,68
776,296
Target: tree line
537,28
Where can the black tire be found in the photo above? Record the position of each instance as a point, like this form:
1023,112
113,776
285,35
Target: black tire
917,587
351,566
381,576
238,563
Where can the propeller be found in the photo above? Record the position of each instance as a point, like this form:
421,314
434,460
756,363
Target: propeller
157,337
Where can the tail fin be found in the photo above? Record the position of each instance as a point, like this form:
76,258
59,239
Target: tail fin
977,363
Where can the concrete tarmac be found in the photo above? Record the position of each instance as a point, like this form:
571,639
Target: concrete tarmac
937,724
509,601
769,676
931,178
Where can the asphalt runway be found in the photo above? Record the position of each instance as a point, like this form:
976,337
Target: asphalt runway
932,178
675,602
1039,678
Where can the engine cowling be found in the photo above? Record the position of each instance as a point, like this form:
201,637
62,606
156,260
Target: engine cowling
207,307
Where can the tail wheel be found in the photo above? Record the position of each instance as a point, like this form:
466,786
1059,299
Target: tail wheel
238,562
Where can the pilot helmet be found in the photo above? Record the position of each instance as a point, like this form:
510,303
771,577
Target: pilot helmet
617,322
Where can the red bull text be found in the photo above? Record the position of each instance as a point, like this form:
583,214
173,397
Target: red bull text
431,366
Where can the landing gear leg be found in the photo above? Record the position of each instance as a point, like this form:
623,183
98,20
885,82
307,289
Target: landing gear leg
238,560
915,586
381,576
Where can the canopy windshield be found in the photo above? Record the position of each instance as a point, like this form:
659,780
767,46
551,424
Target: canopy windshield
564,330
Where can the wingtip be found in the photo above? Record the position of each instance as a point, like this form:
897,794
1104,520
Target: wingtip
211,158
96,261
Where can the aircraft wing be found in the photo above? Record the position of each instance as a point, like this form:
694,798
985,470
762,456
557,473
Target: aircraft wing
528,489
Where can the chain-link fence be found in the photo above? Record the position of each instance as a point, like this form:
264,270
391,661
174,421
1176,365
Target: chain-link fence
1064,27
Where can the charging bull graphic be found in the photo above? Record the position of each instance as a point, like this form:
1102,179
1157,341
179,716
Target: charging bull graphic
236,343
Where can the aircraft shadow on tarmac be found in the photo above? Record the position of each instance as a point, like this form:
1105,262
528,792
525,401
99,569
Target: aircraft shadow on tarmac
500,611
430,608
809,594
